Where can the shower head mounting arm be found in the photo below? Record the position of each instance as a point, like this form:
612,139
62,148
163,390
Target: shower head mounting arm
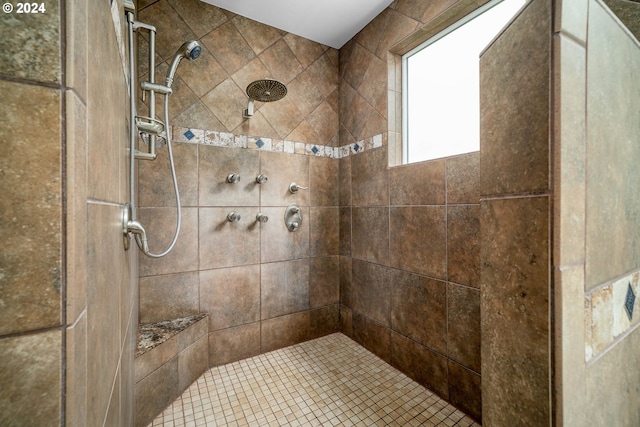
248,112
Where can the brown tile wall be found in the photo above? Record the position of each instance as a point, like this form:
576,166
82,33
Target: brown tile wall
209,93
515,218
409,235
409,268
69,287
263,286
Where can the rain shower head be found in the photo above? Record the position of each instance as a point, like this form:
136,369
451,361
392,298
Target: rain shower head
265,90
190,50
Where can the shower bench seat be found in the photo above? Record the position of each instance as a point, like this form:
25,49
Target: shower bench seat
171,354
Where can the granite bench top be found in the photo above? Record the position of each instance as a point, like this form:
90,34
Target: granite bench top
151,335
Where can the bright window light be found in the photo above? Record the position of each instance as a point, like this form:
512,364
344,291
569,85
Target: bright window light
441,85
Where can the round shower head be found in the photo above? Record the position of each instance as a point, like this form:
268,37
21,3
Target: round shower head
266,90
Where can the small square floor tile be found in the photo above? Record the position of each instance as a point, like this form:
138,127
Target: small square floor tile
329,381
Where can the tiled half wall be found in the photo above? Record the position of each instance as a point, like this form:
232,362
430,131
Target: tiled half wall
409,268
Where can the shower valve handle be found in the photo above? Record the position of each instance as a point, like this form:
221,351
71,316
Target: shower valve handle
261,179
293,188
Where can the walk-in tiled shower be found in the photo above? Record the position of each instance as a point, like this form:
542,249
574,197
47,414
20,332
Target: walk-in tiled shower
504,281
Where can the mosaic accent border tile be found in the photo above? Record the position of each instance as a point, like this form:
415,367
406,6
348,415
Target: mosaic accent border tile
224,139
610,312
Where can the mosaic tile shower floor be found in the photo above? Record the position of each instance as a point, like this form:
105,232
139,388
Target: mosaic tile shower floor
330,381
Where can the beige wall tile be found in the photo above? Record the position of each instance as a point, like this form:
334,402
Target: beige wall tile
76,162
76,47
570,152
612,198
571,18
148,362
108,268
305,50
611,402
171,32
227,102
76,372
107,135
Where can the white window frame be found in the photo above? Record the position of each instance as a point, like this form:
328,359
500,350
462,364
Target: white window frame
405,81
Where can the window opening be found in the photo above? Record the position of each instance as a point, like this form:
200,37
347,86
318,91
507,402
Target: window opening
441,85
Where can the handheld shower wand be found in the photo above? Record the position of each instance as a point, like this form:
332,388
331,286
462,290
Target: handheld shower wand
190,50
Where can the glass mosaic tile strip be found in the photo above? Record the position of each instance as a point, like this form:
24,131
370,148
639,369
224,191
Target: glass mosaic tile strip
629,302
225,139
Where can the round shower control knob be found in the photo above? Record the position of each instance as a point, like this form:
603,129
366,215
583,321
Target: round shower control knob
262,217
233,217
233,178
261,179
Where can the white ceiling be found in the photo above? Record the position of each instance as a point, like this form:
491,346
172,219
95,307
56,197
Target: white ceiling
330,22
